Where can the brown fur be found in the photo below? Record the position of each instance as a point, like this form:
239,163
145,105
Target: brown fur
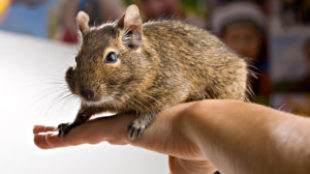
169,62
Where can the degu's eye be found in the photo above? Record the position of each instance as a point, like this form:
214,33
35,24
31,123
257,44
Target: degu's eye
111,57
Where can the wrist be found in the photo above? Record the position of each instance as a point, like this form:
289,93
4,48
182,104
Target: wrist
186,124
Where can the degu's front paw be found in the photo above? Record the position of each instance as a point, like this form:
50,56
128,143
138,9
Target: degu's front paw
63,129
136,128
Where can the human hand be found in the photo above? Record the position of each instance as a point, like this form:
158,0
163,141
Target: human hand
166,134
237,137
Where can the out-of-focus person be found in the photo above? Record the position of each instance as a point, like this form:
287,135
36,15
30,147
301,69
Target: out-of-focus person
167,9
100,11
241,26
213,5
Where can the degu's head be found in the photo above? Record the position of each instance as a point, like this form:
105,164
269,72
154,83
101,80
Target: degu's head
111,64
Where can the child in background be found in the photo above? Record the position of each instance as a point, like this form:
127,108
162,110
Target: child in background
241,26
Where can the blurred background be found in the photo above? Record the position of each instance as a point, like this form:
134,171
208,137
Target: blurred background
274,36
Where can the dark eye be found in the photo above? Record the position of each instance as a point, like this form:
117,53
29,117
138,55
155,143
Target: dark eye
111,58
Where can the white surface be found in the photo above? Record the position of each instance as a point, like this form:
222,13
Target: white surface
31,84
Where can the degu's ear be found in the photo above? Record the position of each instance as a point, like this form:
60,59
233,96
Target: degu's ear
131,25
82,20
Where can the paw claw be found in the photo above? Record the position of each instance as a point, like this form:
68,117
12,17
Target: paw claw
63,129
129,127
132,131
135,129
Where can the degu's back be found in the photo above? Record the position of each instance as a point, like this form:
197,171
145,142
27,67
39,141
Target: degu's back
191,53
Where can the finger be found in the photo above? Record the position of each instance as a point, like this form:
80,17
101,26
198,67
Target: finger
48,141
40,128
111,129
162,135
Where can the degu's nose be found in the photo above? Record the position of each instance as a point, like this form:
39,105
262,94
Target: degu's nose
87,93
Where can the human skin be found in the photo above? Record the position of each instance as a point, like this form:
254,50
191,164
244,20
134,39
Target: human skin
233,136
